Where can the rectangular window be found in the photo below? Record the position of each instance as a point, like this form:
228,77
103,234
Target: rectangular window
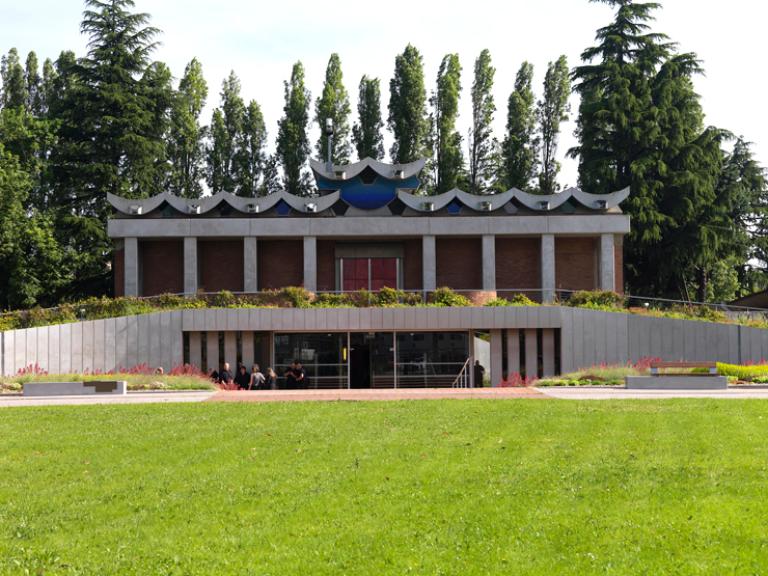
430,359
323,357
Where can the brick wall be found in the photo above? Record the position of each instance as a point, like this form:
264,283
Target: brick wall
162,266
221,265
459,263
326,265
518,264
281,263
118,272
576,263
412,265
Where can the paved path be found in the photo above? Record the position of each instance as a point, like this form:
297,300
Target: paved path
586,393
378,394
130,398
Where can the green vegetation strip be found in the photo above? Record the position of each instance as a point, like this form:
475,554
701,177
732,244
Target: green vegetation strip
434,487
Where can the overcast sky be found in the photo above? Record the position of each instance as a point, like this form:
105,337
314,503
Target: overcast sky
261,41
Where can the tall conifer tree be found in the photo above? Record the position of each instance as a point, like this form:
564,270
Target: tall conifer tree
482,146
333,104
408,108
186,148
449,161
521,144
552,110
251,155
292,138
366,133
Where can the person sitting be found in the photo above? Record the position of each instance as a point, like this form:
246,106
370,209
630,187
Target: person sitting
271,377
257,380
214,376
290,376
242,378
225,376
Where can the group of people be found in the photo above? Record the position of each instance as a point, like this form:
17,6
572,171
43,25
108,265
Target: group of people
244,380
295,377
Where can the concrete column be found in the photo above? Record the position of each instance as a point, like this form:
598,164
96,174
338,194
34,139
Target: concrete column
429,263
513,352
489,263
607,263
548,267
310,263
190,266
496,360
251,265
230,350
531,354
248,359
212,351
195,349
131,256
548,352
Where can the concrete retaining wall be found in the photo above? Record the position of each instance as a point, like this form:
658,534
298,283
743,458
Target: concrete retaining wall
588,337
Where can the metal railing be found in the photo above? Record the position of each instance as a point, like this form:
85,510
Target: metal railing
464,379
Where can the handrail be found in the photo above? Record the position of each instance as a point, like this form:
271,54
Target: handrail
463,380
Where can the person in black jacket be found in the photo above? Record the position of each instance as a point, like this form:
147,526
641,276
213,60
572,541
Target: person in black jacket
242,378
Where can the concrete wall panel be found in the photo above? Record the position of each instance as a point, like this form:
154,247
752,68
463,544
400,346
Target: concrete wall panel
65,348
54,354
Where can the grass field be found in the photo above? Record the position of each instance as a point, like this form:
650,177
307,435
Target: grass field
432,487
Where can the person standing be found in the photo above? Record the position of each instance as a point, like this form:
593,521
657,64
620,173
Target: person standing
290,376
479,374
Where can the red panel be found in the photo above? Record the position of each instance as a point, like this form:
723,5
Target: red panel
383,273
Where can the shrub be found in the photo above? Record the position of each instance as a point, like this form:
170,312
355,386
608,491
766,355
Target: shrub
297,296
389,296
743,373
699,313
363,298
448,298
224,299
498,303
331,300
516,300
596,299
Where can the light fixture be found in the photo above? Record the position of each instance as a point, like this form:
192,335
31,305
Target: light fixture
341,174
486,206
310,207
253,208
544,204
602,204
400,174
428,206
136,209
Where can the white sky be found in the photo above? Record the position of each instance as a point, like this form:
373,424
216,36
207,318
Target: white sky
261,41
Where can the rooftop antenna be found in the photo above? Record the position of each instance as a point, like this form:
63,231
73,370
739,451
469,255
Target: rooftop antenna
329,133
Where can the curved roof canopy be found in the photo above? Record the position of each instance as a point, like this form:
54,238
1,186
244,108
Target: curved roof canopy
417,203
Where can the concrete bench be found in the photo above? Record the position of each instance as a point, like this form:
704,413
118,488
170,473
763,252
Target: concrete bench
103,387
679,380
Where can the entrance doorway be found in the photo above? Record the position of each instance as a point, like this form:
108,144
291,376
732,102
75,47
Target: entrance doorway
360,360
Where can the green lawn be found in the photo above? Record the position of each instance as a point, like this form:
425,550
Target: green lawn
433,487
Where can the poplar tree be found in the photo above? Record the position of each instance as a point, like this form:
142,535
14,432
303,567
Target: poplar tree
186,148
552,109
251,156
366,133
151,171
227,125
408,108
333,104
14,92
292,140
449,161
33,83
482,146
521,144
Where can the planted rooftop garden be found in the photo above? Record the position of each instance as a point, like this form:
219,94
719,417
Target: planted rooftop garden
297,297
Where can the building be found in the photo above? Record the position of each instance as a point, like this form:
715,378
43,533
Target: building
368,227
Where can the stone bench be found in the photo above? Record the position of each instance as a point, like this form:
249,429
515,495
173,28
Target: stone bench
100,387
